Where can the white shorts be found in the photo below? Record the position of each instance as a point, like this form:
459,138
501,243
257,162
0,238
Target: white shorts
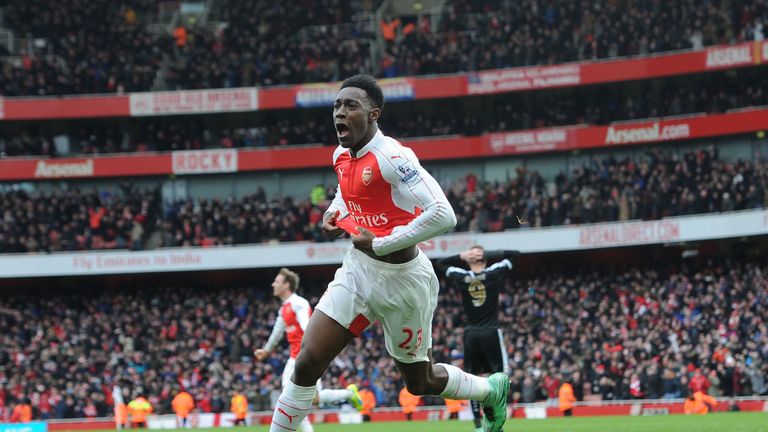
402,297
290,365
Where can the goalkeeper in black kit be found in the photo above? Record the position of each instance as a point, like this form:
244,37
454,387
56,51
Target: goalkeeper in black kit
484,351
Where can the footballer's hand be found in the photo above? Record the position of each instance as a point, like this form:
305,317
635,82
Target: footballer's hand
363,240
261,354
329,225
472,255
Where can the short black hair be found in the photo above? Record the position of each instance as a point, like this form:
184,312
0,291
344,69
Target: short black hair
367,83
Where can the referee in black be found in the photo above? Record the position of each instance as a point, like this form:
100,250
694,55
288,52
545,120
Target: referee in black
484,351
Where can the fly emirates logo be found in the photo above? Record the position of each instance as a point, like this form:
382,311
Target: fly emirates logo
369,220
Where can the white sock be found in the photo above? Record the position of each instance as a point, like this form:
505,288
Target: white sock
462,385
306,425
333,395
292,407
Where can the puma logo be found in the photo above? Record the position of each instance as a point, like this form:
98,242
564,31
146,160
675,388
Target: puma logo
290,417
394,157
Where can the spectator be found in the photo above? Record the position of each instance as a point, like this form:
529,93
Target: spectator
699,382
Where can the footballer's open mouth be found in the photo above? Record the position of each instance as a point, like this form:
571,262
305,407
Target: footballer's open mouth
342,130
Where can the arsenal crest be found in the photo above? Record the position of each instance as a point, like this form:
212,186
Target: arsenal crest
367,175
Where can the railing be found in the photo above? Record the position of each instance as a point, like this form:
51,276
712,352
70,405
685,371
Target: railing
7,40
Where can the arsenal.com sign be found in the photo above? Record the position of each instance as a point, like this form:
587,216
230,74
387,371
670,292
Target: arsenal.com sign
204,161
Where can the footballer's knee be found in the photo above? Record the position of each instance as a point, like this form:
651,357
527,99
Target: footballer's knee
418,388
309,368
423,386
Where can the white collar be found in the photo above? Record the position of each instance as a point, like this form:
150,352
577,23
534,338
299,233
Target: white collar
367,147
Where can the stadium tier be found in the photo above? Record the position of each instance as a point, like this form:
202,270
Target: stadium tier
714,93
622,333
94,47
645,186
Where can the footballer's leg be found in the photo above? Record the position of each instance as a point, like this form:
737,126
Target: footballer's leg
406,314
322,342
450,382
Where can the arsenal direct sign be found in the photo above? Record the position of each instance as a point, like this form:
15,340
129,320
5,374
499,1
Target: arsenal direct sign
194,101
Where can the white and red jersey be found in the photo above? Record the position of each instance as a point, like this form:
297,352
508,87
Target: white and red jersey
384,189
292,319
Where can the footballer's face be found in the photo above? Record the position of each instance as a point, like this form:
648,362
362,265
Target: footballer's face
279,286
354,118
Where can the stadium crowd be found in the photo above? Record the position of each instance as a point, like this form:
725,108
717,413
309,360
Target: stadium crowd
711,94
98,47
70,220
656,184
477,35
616,334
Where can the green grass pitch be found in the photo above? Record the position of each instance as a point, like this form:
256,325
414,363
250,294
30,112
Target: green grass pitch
715,422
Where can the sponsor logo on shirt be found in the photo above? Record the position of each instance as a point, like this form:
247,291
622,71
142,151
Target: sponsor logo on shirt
407,172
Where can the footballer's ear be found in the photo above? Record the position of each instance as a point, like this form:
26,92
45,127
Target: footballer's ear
374,114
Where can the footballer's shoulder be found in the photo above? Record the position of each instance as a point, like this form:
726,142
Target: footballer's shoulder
300,300
338,152
394,150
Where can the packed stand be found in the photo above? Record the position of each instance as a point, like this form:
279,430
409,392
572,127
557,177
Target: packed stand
649,186
656,185
73,220
476,35
89,46
98,47
627,334
711,94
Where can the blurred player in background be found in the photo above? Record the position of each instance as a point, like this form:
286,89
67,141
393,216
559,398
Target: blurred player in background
388,203
292,320
484,351
121,409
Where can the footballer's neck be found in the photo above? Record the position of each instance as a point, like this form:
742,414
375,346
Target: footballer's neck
366,139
